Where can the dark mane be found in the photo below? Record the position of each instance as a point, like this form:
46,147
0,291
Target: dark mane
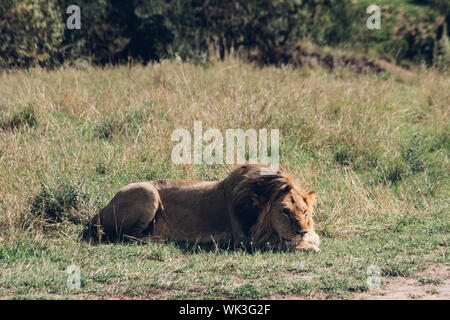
254,187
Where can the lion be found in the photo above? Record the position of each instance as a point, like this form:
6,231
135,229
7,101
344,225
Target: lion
255,206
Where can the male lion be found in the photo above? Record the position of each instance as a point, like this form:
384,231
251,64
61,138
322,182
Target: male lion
255,205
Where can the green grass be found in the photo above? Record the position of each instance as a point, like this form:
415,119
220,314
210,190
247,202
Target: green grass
37,267
432,281
375,149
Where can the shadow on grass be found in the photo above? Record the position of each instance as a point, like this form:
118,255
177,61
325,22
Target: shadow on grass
183,246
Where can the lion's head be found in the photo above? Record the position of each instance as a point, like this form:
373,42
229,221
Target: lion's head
271,206
290,217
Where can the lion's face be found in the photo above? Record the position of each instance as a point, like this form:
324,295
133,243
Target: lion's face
291,217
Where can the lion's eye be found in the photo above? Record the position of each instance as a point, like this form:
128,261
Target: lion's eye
305,213
286,212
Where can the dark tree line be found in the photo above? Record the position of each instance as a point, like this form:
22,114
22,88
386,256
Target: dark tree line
33,32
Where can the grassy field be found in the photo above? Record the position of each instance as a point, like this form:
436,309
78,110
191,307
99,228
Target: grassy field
374,147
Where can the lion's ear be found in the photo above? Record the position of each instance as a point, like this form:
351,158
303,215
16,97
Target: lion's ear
310,198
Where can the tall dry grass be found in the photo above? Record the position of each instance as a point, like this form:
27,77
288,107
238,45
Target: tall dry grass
368,144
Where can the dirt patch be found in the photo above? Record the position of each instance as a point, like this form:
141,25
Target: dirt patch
431,284
299,277
287,297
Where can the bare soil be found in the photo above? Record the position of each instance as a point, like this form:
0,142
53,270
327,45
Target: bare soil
401,288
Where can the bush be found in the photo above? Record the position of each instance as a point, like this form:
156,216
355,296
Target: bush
113,31
31,32
442,51
25,117
109,127
345,156
114,125
396,170
59,203
263,30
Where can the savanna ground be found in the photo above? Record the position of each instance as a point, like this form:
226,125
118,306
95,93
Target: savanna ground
374,147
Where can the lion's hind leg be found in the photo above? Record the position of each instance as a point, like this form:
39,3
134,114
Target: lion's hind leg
131,213
141,212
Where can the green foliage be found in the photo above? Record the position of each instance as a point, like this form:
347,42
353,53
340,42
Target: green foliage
59,202
432,281
248,291
24,251
408,30
30,33
112,31
109,127
442,5
442,51
331,22
263,30
116,124
100,168
34,32
331,283
26,117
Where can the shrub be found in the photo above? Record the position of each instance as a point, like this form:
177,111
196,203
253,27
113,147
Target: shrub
396,170
109,127
59,203
100,168
113,31
31,32
25,117
345,155
128,122
442,52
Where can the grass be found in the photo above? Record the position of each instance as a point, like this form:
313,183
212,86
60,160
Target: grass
25,117
374,148
432,281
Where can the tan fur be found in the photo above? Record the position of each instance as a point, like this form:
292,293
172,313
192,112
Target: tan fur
254,206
